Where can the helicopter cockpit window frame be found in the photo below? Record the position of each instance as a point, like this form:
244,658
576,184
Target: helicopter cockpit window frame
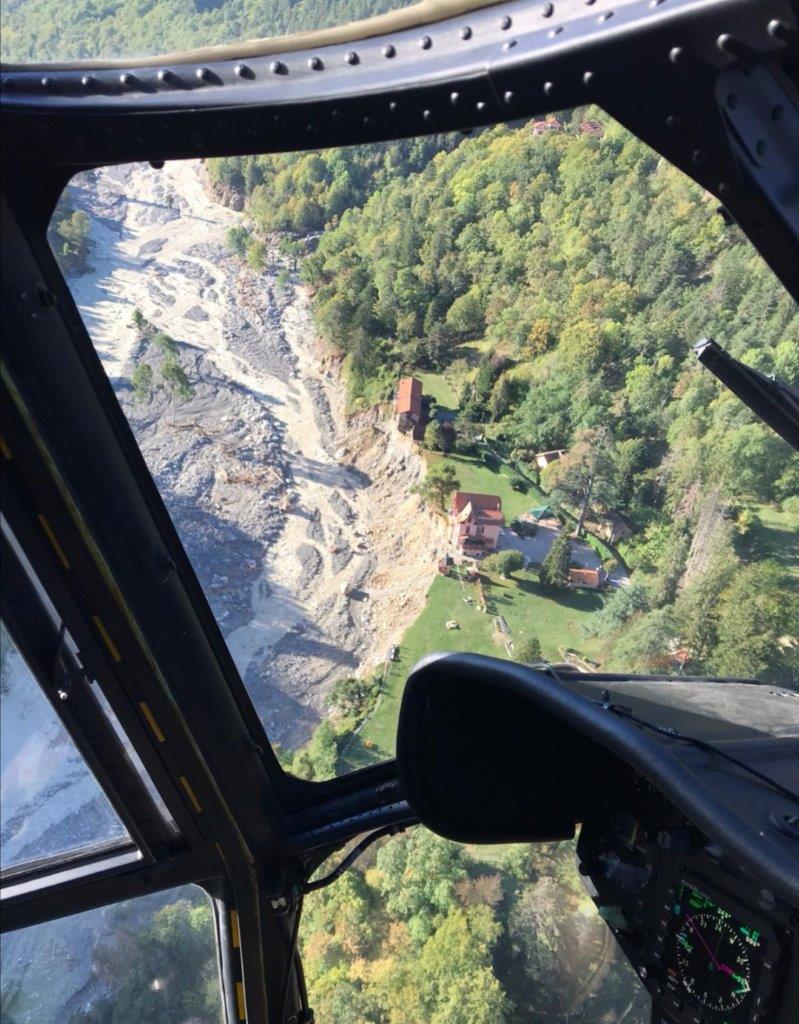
102,545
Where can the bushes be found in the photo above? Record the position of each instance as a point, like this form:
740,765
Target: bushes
504,562
354,697
528,651
518,483
523,528
465,446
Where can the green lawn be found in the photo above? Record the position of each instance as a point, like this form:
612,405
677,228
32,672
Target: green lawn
442,388
475,475
554,618
777,533
528,608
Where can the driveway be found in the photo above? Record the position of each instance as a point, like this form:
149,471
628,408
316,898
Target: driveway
535,549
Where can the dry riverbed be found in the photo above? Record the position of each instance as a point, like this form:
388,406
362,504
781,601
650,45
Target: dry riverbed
298,519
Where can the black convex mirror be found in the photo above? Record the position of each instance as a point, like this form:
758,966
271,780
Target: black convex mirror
492,752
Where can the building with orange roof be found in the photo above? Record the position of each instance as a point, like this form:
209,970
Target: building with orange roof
595,579
408,407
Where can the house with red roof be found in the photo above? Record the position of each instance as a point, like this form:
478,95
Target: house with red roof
546,125
408,407
476,521
595,579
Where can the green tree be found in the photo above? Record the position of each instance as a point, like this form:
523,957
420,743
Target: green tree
142,381
174,376
163,970
753,457
418,873
646,644
439,482
165,344
466,315
435,437
74,231
138,320
527,651
555,567
501,398
291,249
585,473
238,240
619,607
354,695
503,563
319,759
256,255
758,609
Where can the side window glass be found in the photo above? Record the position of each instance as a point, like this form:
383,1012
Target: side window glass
50,803
150,960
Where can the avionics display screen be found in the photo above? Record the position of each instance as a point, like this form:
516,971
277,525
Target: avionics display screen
715,958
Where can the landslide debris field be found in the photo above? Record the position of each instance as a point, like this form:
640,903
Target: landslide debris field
298,520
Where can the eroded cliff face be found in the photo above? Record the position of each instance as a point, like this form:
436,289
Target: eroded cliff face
299,520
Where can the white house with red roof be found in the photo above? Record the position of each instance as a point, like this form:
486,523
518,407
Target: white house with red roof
476,521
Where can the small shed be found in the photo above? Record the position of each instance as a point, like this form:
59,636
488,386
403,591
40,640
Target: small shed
594,579
543,459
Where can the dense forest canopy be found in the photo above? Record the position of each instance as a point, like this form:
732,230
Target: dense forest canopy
583,268
38,30
302,193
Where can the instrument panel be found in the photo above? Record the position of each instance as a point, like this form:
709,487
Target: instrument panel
710,945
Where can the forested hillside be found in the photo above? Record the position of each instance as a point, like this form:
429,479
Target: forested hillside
302,193
51,30
579,271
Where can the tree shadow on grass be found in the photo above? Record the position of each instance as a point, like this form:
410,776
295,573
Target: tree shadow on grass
357,755
782,545
579,600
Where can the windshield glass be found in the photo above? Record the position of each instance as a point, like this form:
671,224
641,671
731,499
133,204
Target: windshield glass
45,30
50,803
441,394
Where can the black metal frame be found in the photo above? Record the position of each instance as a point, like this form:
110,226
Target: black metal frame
710,84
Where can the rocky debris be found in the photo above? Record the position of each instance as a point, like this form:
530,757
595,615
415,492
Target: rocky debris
340,558
160,296
195,313
311,562
342,507
153,246
227,195
321,406
195,272
210,251
315,529
217,460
